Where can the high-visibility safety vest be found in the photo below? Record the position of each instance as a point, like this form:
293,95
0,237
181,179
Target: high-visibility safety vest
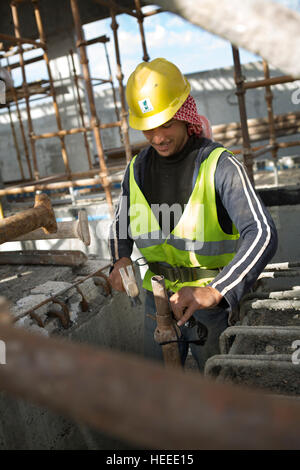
196,241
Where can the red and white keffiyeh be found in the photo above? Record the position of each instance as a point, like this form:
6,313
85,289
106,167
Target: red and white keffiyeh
197,124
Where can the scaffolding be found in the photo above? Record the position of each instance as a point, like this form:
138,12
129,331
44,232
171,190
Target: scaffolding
94,176
231,135
281,125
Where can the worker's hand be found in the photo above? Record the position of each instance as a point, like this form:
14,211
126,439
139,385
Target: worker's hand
115,279
189,299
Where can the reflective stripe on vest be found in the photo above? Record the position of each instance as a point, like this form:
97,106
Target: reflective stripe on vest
196,240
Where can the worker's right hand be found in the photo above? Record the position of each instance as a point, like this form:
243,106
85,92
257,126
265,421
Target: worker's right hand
115,279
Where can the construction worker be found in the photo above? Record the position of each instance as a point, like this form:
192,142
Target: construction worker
190,207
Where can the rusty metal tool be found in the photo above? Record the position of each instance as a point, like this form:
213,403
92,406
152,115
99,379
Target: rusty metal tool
167,332
41,215
130,285
44,257
75,229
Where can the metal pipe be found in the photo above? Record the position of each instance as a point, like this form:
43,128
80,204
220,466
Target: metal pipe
73,229
269,101
113,92
140,18
16,143
239,80
41,215
124,114
94,118
141,402
25,89
42,36
97,180
89,42
267,81
16,65
86,142
18,40
76,130
167,329
14,93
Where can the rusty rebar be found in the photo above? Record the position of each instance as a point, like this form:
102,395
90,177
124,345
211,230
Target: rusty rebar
166,330
16,23
41,215
51,298
239,81
272,131
94,118
97,180
113,91
21,128
140,401
18,40
124,113
140,18
13,131
81,113
42,36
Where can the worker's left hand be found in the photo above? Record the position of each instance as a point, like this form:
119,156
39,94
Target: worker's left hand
189,299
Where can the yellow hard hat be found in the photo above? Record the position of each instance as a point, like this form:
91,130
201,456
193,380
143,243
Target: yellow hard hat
155,91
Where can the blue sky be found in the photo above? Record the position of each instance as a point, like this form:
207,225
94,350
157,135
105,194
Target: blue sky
167,35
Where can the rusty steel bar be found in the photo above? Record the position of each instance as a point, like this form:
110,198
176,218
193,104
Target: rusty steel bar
89,42
11,52
113,92
75,130
73,229
63,291
14,93
18,40
16,65
94,118
16,23
86,142
140,401
42,36
153,12
13,131
124,113
44,257
239,81
41,215
59,185
167,329
272,130
140,18
267,81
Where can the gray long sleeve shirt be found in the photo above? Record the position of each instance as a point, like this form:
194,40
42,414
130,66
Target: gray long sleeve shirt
237,202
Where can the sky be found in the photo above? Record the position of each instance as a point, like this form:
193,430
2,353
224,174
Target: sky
191,48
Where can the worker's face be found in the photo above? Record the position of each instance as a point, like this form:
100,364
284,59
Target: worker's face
168,138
